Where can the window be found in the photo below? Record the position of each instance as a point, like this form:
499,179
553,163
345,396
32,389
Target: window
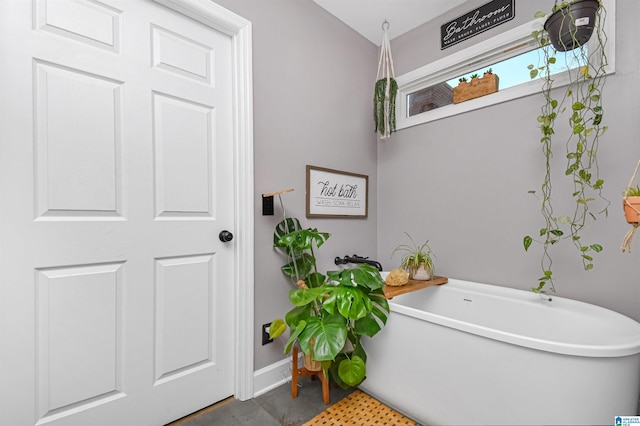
511,72
426,94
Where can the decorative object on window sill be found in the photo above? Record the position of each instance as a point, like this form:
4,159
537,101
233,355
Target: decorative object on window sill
386,90
571,24
582,101
631,205
466,90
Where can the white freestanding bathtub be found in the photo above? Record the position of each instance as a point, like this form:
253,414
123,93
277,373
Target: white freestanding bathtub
466,353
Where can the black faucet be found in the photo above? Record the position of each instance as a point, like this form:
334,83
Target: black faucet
357,259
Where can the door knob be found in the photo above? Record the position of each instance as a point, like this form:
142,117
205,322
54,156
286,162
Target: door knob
225,236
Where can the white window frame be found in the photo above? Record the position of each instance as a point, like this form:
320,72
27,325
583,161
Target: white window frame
503,46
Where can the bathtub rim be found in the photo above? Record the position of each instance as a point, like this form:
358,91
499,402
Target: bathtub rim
632,347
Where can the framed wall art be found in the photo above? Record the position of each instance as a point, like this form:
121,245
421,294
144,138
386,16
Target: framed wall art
335,193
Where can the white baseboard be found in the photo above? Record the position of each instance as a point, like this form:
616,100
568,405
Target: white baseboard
272,376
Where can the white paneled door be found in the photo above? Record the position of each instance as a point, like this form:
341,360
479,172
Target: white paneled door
117,178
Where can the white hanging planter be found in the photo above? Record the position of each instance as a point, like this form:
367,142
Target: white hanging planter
386,90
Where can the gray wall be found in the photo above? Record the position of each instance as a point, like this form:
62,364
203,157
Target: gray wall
313,86
313,79
474,171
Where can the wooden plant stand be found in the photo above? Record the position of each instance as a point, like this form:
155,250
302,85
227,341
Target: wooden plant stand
302,372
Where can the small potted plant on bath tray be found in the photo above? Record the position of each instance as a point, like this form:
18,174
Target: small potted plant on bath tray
417,259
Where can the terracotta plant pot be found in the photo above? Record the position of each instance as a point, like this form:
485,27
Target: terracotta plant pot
572,26
631,209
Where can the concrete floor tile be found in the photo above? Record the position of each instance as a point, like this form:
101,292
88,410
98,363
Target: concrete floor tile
230,413
274,408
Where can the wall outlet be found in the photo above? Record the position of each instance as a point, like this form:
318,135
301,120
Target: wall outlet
265,334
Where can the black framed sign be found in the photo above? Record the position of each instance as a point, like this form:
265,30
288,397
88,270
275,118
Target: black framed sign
334,193
481,19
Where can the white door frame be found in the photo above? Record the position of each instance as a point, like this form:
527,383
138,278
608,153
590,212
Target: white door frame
239,29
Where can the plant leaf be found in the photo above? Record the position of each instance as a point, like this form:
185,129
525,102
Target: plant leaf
305,296
597,119
302,263
577,106
297,314
352,302
330,333
334,370
367,326
276,328
294,335
596,247
352,371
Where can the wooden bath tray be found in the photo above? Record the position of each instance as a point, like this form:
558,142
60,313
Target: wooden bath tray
412,285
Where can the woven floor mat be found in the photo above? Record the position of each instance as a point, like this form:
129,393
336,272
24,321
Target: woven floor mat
359,409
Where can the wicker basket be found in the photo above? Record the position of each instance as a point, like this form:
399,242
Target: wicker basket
310,363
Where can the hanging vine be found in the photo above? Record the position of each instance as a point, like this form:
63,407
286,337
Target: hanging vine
582,102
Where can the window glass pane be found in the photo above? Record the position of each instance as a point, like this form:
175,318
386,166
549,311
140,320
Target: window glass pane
511,72
430,98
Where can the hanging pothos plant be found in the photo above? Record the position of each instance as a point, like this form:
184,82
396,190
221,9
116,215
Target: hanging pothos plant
580,102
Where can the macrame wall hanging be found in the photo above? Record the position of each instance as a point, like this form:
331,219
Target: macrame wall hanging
386,89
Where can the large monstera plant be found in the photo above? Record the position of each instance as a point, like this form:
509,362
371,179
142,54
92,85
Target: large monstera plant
331,312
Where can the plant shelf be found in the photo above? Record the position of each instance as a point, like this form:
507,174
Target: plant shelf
391,291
